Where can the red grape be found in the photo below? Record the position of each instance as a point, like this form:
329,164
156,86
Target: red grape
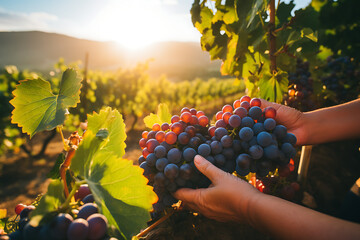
185,109
175,119
160,136
245,99
186,117
194,120
245,105
82,192
145,152
177,128
190,130
220,123
200,113
170,138
151,135
219,115
203,121
165,127
142,143
227,108
236,104
193,111
241,112
144,134
270,112
212,131
19,208
226,116
156,127
255,102
151,145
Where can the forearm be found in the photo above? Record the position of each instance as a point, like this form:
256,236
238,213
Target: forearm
333,123
286,220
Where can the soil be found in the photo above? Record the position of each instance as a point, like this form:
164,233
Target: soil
334,167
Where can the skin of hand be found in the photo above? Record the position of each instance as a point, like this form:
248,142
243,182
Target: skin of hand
291,118
220,201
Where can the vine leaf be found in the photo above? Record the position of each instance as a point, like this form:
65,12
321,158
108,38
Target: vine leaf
38,109
49,203
119,188
272,87
163,116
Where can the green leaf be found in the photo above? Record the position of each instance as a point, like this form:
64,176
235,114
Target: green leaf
119,188
272,87
49,203
55,171
308,33
283,12
112,121
38,109
163,116
317,4
257,5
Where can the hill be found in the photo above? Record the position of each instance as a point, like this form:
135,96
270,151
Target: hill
40,50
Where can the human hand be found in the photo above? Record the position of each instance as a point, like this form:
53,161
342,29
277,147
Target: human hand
291,118
227,199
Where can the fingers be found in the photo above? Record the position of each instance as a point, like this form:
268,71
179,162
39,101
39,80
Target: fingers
265,104
186,194
209,170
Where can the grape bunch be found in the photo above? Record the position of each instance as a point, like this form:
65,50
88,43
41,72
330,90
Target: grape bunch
300,91
341,75
244,138
79,224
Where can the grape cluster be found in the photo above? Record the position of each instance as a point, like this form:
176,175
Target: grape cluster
341,75
300,91
80,224
244,139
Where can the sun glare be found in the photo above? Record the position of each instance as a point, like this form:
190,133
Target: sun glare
132,24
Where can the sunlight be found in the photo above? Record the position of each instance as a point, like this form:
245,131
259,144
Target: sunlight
133,25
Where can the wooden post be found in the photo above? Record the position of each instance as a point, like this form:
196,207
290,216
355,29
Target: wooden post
304,164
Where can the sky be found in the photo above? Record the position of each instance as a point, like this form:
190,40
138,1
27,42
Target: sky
131,23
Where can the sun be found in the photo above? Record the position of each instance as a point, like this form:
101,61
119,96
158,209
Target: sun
132,24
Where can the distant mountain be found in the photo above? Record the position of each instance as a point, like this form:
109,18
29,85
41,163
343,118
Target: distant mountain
40,50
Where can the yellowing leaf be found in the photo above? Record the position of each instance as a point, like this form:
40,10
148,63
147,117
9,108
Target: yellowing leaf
38,109
3,213
163,116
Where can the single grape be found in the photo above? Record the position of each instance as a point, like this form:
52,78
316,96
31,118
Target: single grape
243,161
271,152
235,121
145,152
171,186
151,144
199,114
166,146
264,139
78,229
269,124
19,208
160,151
184,138
195,142
216,147
256,151
212,131
280,131
185,109
142,143
220,124
246,134
220,160
226,141
144,134
242,172
87,209
174,155
165,127
229,153
186,171
191,131
97,226
288,150
170,138
247,122
160,136
160,179
156,127
290,138
211,159
255,112
203,121
255,102
30,232
204,150
171,171
245,105
227,108
186,117
177,128
270,112
245,98
189,154
147,169
219,115
236,104
175,119
88,199
241,112
151,159
253,141
151,135
161,164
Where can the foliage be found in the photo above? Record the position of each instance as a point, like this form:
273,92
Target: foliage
238,33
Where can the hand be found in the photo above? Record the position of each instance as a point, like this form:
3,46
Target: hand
227,199
291,118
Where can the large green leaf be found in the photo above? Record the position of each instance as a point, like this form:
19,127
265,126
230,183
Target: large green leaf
163,116
272,87
119,188
49,203
38,109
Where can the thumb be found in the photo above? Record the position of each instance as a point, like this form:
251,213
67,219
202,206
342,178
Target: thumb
209,170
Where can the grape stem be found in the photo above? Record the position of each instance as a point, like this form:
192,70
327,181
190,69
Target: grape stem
158,222
76,186
66,146
64,167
